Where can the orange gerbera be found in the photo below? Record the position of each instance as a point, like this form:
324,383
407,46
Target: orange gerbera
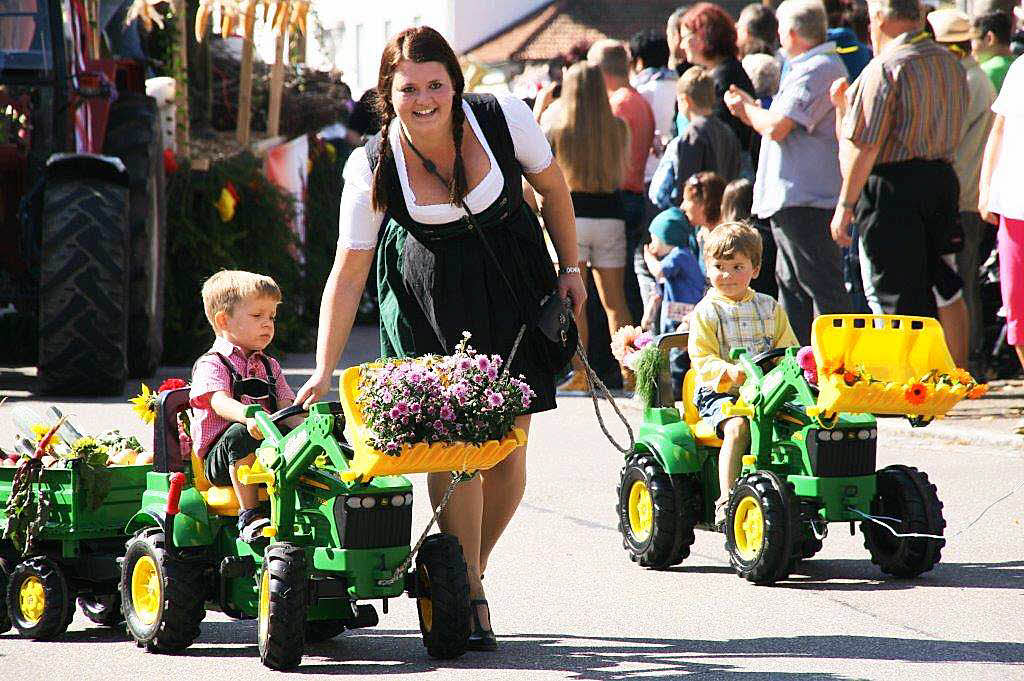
850,378
977,391
916,393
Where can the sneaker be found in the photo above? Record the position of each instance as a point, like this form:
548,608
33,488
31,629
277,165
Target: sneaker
576,383
250,526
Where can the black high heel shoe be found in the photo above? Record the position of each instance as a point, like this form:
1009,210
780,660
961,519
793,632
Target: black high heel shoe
480,638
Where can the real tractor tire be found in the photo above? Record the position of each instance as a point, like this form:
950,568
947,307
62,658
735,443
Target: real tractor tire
281,618
904,493
318,631
656,512
442,596
104,609
37,599
762,528
162,598
134,135
83,286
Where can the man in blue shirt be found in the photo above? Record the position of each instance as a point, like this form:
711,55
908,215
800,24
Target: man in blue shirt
798,177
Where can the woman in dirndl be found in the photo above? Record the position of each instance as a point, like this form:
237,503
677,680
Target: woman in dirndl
435,277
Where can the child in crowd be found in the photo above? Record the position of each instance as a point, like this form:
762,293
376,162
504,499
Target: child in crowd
707,144
240,307
671,256
702,203
730,316
737,202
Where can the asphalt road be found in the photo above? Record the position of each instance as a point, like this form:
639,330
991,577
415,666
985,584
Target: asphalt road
568,604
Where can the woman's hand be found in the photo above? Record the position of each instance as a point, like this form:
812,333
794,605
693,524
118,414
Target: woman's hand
571,285
314,389
837,93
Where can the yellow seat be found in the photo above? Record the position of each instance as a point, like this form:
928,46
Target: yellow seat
703,433
219,500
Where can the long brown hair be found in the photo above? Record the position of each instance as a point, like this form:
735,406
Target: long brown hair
588,140
419,44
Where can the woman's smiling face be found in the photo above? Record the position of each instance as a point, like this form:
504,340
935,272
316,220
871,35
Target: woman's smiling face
422,95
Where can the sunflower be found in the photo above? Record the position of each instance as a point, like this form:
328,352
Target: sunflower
916,393
144,404
40,430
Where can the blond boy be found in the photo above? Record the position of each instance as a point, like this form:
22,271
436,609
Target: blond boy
731,315
235,372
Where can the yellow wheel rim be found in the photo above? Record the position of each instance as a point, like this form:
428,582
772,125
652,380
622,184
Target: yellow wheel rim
641,511
147,594
264,611
748,528
426,606
32,600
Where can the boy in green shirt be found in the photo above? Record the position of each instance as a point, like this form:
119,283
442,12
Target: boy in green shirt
991,45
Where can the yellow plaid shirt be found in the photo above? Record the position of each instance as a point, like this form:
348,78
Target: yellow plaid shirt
756,323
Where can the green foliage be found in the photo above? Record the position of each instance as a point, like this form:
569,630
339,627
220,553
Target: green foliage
258,238
322,205
649,366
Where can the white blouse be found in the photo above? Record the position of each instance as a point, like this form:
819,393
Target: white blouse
358,223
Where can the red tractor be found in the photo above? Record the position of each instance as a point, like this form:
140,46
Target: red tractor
81,203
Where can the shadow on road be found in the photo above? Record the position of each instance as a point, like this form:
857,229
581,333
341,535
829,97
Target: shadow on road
821,575
387,652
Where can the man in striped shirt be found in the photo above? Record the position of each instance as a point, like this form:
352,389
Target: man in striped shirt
900,126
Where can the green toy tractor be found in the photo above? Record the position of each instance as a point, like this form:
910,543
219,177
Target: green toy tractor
812,454
337,537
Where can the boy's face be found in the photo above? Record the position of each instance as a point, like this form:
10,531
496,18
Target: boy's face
731,276
250,325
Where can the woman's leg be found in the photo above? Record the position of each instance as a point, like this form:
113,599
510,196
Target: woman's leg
462,518
503,488
609,282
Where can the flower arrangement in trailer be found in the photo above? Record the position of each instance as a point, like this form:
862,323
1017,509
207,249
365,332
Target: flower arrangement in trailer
915,392
627,344
463,397
635,350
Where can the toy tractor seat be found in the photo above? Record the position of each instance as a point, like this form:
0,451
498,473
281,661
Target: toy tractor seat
220,500
703,433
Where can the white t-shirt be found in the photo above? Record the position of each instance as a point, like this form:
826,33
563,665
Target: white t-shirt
1005,195
358,223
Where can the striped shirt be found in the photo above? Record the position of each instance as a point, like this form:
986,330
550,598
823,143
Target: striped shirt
718,324
911,99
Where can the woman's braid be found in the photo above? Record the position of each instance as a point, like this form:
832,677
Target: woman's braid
379,193
458,188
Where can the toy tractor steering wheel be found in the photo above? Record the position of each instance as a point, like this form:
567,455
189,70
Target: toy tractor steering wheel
286,412
760,358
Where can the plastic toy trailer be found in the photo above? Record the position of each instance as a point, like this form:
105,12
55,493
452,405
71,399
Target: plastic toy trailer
73,553
812,454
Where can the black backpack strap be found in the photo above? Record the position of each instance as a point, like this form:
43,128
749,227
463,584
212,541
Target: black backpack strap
273,383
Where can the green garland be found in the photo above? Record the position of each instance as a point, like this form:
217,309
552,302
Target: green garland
650,365
257,238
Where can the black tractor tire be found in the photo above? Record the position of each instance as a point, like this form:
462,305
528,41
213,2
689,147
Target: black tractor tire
905,493
103,609
281,619
656,517
318,631
45,578
762,528
442,596
162,598
83,287
134,135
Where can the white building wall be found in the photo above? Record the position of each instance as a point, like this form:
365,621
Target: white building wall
354,33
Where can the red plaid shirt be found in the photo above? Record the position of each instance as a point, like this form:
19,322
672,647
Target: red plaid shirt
209,375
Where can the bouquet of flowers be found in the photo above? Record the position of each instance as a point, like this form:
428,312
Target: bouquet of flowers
627,343
144,405
462,397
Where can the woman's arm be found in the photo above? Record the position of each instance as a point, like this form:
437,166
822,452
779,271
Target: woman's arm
988,165
338,306
556,208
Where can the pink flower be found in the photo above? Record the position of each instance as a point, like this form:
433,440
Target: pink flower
811,375
495,399
643,340
447,413
482,363
492,373
805,359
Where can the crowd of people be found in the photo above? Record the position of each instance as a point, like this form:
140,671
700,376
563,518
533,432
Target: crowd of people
868,144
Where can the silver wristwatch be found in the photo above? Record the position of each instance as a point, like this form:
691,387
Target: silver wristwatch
571,269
